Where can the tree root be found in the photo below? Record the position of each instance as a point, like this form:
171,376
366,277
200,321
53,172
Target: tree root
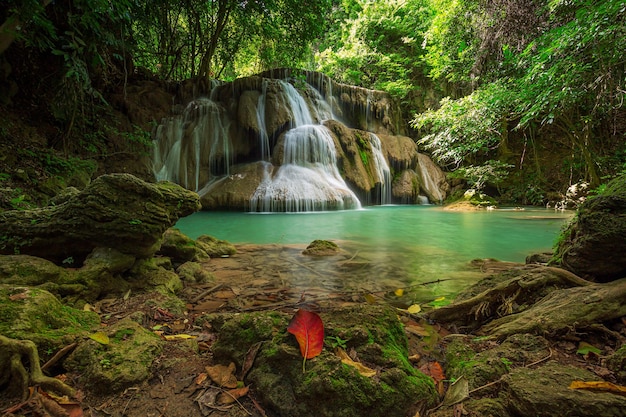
13,370
499,301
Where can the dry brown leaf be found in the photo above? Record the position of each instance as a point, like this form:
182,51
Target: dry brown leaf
222,375
201,378
230,396
362,369
599,386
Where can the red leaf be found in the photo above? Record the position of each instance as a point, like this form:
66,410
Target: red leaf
308,328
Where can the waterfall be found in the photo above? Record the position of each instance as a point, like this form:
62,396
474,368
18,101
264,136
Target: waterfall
382,170
193,148
264,140
266,144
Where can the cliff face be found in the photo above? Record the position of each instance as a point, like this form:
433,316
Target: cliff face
286,141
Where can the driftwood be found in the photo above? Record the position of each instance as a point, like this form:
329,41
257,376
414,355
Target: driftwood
116,211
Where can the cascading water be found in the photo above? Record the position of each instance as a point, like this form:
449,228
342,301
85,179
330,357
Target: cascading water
308,178
183,144
382,170
261,144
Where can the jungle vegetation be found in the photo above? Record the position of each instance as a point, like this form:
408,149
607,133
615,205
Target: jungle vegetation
489,86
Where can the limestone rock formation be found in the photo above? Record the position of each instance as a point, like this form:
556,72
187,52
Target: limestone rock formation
594,244
293,141
116,211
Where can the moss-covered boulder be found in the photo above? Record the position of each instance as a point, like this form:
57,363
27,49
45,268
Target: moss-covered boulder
37,315
322,248
593,245
372,335
181,248
216,248
194,272
124,360
118,211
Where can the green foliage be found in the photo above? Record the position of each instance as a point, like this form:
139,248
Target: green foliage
376,44
461,130
492,172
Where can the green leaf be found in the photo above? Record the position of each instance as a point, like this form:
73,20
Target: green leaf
100,337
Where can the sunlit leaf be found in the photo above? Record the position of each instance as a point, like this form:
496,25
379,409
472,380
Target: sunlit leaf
439,302
370,298
100,337
414,309
585,348
599,386
362,369
181,336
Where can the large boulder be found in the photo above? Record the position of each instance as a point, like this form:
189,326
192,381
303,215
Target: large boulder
593,245
327,386
116,211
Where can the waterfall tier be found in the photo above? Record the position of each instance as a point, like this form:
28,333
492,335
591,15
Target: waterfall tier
281,142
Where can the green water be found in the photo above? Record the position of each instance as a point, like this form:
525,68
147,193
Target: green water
402,244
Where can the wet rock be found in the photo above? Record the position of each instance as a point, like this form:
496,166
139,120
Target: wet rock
593,245
322,248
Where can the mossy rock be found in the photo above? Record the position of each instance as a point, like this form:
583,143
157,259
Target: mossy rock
194,272
124,361
181,248
216,248
329,387
593,245
617,363
149,274
482,364
544,391
322,248
37,315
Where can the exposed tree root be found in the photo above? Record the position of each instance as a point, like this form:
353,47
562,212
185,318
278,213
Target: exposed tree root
564,310
522,290
12,369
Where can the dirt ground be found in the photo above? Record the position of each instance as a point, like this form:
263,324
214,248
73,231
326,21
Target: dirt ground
256,278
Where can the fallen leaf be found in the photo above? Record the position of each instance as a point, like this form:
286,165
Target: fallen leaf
458,391
222,375
201,378
362,369
308,329
370,298
414,309
434,370
416,330
599,386
181,336
230,396
399,292
249,359
585,348
100,337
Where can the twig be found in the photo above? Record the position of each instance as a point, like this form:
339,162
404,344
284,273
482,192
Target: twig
60,354
205,293
540,360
